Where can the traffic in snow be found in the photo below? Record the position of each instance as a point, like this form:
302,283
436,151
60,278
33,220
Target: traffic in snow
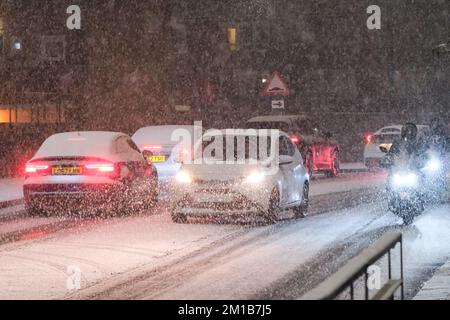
206,151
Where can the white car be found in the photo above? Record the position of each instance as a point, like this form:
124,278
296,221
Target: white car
255,188
164,148
383,138
89,170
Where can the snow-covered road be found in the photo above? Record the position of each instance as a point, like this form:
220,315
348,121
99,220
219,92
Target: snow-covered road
146,256
11,189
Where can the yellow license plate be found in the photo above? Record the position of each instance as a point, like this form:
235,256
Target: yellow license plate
66,171
157,159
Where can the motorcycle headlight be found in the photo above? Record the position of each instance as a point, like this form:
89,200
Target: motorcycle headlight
255,177
183,177
408,180
433,165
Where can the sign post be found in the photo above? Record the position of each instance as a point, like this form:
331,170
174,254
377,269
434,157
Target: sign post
278,90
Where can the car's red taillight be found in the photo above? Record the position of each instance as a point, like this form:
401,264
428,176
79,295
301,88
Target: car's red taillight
36,169
102,169
368,137
295,139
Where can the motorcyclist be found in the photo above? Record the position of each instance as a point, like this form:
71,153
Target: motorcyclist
405,154
410,144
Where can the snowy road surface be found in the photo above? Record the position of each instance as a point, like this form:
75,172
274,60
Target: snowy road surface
11,189
146,256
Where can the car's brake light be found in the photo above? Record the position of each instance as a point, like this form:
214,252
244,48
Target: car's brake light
152,147
102,169
295,139
368,138
36,169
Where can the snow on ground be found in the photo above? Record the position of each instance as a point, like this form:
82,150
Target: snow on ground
158,259
352,166
206,260
321,185
11,189
252,267
429,243
38,269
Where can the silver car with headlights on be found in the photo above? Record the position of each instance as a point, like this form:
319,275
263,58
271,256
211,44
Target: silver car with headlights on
243,174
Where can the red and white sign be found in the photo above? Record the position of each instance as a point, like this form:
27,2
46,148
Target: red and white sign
276,86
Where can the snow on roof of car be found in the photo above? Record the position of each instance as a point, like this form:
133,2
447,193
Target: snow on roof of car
159,134
82,143
277,118
397,129
240,132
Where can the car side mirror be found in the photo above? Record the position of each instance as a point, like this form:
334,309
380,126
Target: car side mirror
384,149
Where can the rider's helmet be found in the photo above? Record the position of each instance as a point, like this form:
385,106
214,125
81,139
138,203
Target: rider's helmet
409,131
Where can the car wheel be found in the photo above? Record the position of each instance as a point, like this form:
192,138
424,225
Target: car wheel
302,210
274,206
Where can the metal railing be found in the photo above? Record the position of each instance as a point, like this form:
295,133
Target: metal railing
346,277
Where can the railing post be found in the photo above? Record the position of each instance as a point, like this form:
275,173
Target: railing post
357,267
366,291
402,291
352,292
389,264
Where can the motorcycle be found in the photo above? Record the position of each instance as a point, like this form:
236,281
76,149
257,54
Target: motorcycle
414,182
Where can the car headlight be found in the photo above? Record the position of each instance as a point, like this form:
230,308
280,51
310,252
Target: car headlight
433,165
409,180
255,177
183,177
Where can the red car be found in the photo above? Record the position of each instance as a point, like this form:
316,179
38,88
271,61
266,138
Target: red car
320,151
